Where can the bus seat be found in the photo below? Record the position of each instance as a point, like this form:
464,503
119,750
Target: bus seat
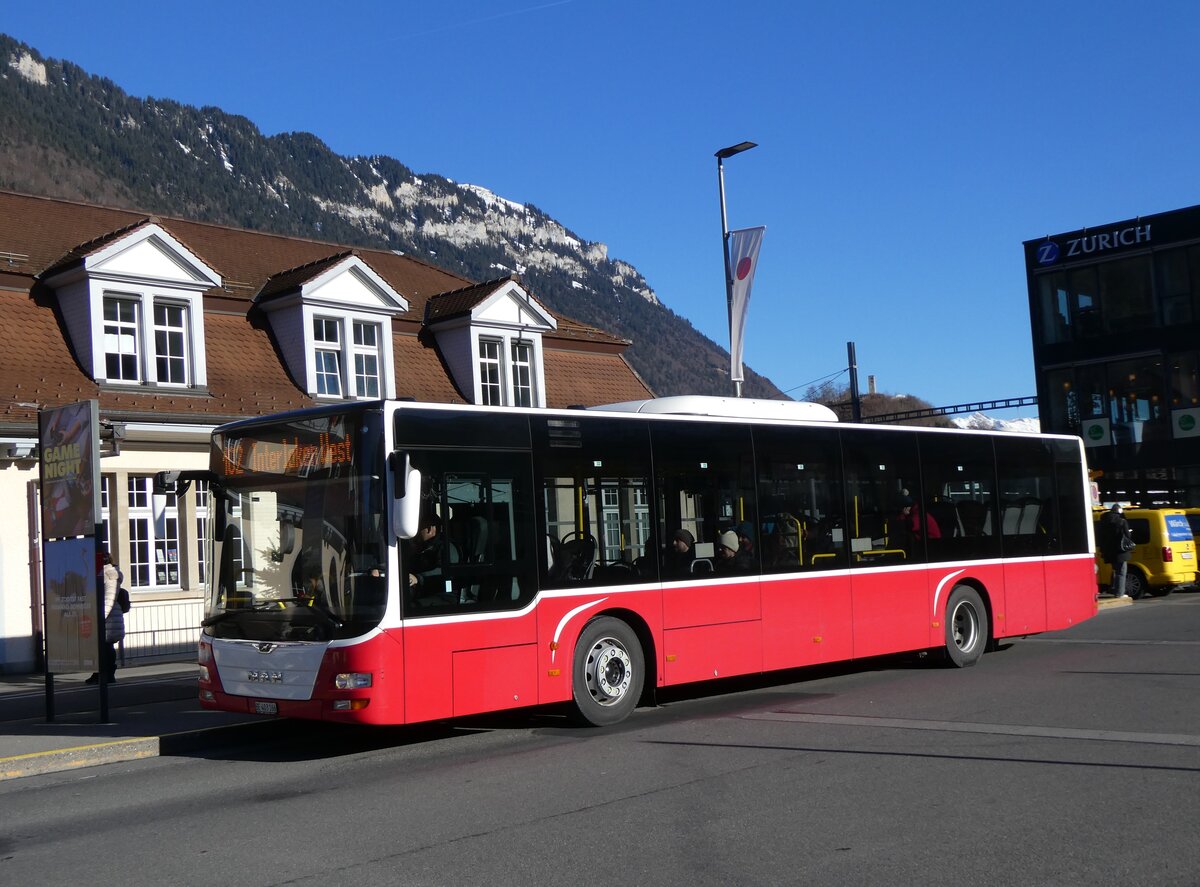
477,539
576,559
702,565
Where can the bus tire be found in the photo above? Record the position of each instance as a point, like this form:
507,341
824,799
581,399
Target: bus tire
966,627
609,672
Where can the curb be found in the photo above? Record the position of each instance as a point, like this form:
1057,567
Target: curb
134,748
39,763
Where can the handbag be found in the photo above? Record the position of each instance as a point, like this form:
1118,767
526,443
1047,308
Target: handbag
1127,544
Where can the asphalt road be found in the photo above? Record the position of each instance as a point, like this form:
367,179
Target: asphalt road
1067,759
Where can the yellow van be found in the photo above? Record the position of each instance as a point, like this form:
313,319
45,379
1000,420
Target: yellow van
1165,556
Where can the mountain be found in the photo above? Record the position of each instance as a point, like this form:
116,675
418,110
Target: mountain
65,133
985,422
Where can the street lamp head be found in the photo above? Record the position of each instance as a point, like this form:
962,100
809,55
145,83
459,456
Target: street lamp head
725,153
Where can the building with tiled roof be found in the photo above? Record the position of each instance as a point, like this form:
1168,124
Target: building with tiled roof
175,326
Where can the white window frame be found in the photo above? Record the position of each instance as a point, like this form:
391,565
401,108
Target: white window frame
144,331
168,338
325,349
119,333
202,531
522,372
489,362
508,362
154,524
365,358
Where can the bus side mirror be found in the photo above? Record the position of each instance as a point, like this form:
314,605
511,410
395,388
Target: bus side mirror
165,482
406,507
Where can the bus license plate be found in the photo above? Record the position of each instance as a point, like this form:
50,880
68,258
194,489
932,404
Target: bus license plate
266,708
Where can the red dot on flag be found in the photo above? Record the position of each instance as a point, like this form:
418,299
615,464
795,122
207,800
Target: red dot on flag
743,268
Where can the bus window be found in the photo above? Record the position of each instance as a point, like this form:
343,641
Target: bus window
960,494
887,522
704,480
1072,522
594,479
477,522
802,524
1025,470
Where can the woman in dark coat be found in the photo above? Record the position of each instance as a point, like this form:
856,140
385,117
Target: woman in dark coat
1110,532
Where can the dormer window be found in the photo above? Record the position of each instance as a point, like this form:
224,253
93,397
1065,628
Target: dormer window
366,359
346,363
171,343
501,385
122,356
327,356
332,319
522,373
491,334
132,305
127,360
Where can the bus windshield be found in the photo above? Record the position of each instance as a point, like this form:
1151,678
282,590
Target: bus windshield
299,528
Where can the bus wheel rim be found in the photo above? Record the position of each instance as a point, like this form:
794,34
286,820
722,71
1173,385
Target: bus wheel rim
608,671
965,626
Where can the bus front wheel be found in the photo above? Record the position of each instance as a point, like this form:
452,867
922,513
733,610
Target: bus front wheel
609,671
966,627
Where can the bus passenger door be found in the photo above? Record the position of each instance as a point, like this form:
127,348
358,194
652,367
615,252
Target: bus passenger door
467,647
712,606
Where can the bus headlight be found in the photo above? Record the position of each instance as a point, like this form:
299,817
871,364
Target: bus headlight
353,680
204,676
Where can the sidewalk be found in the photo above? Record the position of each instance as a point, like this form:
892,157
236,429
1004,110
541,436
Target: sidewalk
152,710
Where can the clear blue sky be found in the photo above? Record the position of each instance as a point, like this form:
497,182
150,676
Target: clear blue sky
905,149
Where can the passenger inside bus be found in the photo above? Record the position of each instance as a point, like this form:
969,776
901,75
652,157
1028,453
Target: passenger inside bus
422,556
745,534
678,558
729,558
913,527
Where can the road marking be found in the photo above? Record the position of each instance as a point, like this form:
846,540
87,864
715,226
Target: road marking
996,729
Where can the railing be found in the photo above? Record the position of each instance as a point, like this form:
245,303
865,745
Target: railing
161,631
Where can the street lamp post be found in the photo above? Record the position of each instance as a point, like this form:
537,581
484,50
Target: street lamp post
721,156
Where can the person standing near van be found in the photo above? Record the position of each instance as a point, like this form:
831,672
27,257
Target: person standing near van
1116,544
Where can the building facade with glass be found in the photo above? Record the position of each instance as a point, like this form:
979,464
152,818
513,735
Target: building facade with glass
1115,315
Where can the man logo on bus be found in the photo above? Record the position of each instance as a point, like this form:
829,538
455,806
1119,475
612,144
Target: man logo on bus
1047,253
1095,432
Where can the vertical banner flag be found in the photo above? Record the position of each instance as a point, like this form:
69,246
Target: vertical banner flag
743,259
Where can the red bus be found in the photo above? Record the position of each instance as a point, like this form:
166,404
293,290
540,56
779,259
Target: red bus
395,562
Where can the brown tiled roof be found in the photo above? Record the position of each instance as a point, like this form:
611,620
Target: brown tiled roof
246,375
590,378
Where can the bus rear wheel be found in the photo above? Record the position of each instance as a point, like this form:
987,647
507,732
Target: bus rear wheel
966,627
609,672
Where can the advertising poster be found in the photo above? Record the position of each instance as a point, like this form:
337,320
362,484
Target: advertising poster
71,628
69,439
